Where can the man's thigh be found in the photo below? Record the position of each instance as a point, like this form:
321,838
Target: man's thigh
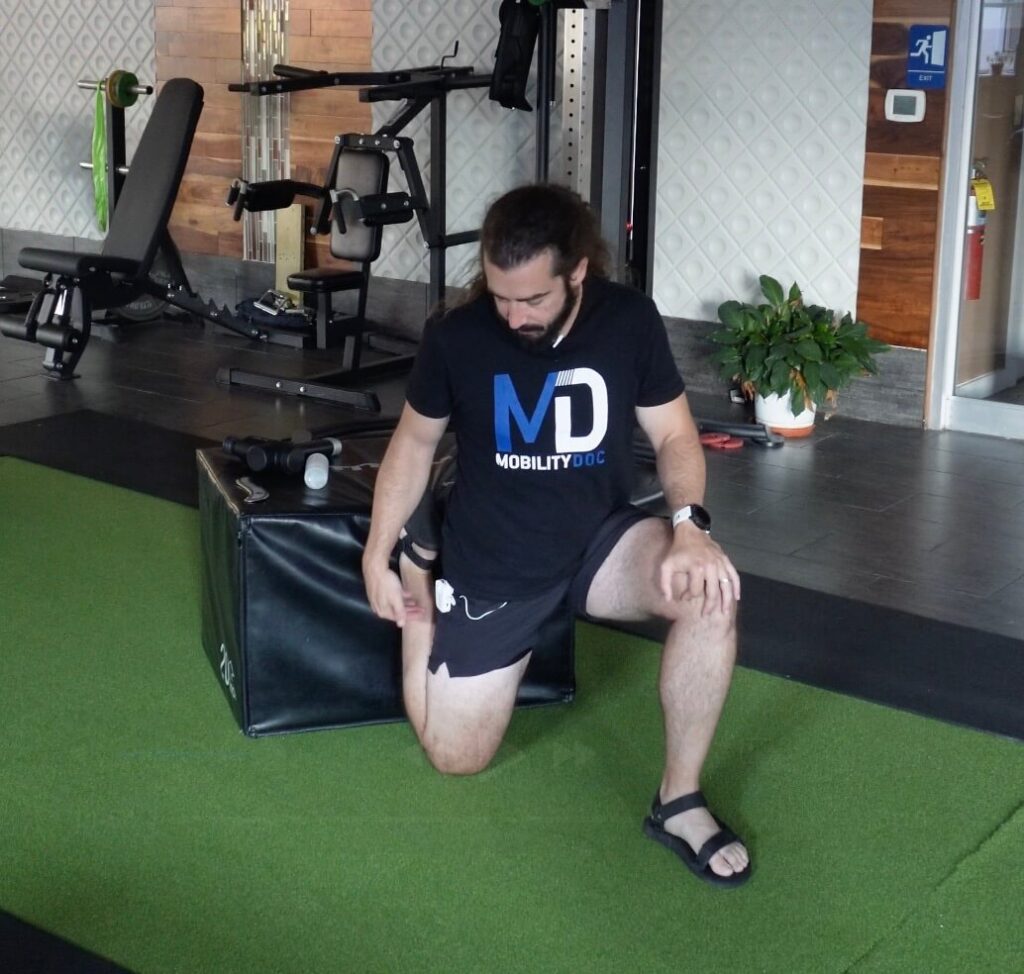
625,586
467,716
480,652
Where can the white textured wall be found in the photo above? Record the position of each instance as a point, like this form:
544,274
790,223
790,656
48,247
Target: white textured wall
490,149
761,150
46,121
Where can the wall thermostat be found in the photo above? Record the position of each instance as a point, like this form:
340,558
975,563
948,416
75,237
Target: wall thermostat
904,105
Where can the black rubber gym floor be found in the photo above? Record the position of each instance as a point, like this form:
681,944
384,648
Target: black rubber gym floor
27,949
940,669
116,450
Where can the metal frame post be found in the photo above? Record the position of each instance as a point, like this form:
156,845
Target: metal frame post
582,100
438,197
630,81
643,205
616,149
546,38
116,155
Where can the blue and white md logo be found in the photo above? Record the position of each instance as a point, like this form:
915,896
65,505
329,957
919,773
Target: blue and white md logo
576,448
926,56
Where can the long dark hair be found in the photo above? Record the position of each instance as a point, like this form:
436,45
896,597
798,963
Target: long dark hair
531,219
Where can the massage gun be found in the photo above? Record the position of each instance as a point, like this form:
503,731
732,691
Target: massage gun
282,456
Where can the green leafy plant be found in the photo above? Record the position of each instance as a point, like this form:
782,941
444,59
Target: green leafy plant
785,345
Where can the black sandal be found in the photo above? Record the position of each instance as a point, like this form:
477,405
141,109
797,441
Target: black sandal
698,863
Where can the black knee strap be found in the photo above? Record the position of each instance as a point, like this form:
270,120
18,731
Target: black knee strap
405,547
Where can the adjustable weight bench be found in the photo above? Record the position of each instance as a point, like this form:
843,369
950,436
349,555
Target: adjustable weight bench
120,273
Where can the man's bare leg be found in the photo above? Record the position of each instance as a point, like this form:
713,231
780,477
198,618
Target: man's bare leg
696,668
459,721
417,638
467,716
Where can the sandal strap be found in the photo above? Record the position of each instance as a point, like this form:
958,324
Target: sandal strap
718,841
662,812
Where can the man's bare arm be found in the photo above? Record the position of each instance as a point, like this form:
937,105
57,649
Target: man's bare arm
695,566
403,477
680,457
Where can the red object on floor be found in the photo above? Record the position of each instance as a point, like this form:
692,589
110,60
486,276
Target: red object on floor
721,441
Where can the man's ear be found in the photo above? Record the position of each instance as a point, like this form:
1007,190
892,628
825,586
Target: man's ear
578,273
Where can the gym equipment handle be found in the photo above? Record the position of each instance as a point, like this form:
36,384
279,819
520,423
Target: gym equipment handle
134,89
123,170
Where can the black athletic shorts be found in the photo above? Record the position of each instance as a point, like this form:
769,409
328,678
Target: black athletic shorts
475,636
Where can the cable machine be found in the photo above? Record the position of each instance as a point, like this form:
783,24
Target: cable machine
611,54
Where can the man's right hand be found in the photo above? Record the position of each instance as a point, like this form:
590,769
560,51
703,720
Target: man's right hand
390,600
403,477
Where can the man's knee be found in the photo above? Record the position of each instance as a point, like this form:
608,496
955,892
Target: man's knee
467,716
692,612
460,760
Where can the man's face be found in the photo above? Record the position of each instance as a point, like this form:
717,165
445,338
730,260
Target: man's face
536,304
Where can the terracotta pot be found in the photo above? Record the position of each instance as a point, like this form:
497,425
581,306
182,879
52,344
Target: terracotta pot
776,413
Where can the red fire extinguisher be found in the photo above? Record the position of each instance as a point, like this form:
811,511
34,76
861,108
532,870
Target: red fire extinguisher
975,244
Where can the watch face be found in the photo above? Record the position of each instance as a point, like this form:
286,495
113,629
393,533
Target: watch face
700,517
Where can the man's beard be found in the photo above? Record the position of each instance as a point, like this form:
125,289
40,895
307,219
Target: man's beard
540,338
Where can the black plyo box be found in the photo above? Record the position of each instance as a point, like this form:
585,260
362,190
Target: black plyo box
285,621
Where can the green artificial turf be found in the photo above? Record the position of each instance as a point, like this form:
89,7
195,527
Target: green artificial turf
138,822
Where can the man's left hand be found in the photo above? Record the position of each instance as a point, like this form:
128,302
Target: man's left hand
695,567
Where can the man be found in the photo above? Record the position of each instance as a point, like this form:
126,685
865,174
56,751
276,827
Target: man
542,373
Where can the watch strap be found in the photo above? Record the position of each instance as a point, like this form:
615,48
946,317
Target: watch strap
687,514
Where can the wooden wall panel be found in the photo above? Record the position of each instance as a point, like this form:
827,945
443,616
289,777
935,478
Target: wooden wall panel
906,172
902,168
341,23
914,11
871,231
329,35
328,51
202,40
335,5
170,18
897,279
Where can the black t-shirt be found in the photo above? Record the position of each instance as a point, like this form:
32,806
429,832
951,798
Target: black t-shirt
544,438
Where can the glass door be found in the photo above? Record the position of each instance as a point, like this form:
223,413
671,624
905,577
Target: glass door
981,271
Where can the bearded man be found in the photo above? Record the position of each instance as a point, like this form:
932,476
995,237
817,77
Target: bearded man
543,373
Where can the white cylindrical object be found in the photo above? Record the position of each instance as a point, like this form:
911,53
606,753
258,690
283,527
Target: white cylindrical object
318,469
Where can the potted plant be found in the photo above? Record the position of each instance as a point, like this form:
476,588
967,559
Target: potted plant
997,60
791,357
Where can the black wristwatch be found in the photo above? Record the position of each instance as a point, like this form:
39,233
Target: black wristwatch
695,513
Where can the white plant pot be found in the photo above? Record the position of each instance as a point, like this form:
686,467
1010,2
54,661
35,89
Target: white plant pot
776,413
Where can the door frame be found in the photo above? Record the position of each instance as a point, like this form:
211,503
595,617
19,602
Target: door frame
943,408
